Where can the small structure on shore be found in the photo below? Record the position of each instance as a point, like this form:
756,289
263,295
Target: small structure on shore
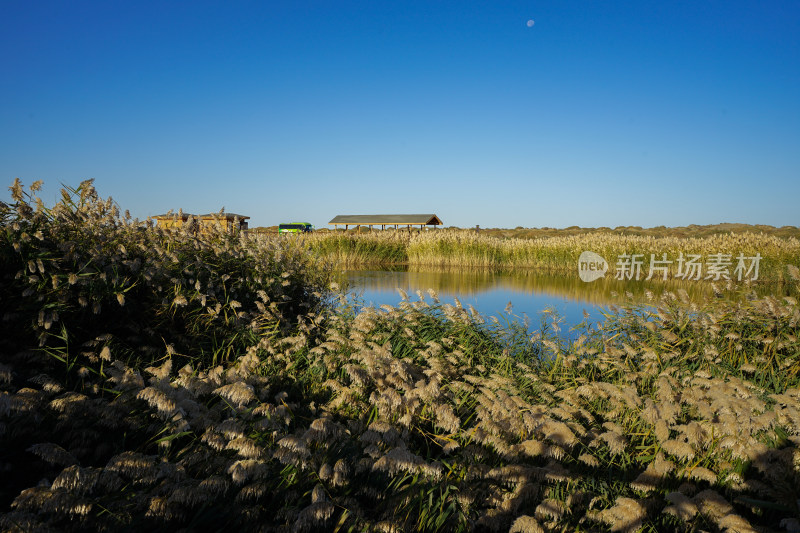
385,220
202,223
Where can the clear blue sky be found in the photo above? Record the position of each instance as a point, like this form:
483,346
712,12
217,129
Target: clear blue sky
599,114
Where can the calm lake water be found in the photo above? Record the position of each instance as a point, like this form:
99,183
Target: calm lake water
529,292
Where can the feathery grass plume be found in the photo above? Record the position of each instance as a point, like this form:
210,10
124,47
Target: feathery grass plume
680,449
160,507
53,454
712,504
341,473
734,522
559,433
401,460
69,401
794,272
77,480
244,470
188,494
135,466
214,440
693,433
682,506
47,383
314,516
231,428
533,448
43,500
323,430
662,431
700,473
526,524
214,485
162,372
555,471
652,476
318,494
325,472
238,393
616,442
625,515
160,401
252,492
550,509
292,449
246,447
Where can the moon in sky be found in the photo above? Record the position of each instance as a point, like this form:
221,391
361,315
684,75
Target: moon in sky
530,23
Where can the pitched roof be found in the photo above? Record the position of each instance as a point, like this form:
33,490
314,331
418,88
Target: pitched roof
226,216
364,220
170,216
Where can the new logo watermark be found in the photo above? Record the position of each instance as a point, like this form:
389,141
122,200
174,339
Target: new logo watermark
591,266
715,267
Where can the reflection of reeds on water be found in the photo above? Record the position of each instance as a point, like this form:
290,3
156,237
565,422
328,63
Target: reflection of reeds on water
605,291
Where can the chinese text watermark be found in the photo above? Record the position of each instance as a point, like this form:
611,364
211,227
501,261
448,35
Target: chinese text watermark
714,267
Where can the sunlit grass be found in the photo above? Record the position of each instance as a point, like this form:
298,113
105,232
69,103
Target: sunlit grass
253,402
465,249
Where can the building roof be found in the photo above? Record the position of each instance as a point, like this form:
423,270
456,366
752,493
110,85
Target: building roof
174,215
365,220
227,216
184,216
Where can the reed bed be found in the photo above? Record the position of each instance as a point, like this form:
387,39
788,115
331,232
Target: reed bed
468,249
348,249
424,416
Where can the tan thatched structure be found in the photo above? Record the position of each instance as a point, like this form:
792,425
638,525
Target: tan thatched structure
228,221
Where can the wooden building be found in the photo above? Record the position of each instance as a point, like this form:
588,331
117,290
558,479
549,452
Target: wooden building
385,220
202,223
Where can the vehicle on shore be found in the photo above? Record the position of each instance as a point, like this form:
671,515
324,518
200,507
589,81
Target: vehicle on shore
296,227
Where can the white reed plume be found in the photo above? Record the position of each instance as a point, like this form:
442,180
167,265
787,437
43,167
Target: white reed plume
682,506
626,515
239,393
53,454
526,524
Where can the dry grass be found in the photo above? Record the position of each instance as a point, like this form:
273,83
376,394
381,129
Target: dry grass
417,417
468,249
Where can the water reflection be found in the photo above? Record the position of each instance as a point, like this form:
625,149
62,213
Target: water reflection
529,291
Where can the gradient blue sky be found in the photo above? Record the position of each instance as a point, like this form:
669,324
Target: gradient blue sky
600,114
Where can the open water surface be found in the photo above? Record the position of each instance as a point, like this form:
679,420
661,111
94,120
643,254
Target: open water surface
529,292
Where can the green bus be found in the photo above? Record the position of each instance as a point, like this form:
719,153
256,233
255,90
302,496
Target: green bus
295,227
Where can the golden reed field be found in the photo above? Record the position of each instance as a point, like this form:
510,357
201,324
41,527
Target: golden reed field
165,380
455,248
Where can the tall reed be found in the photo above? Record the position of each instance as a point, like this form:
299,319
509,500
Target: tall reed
464,248
425,416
